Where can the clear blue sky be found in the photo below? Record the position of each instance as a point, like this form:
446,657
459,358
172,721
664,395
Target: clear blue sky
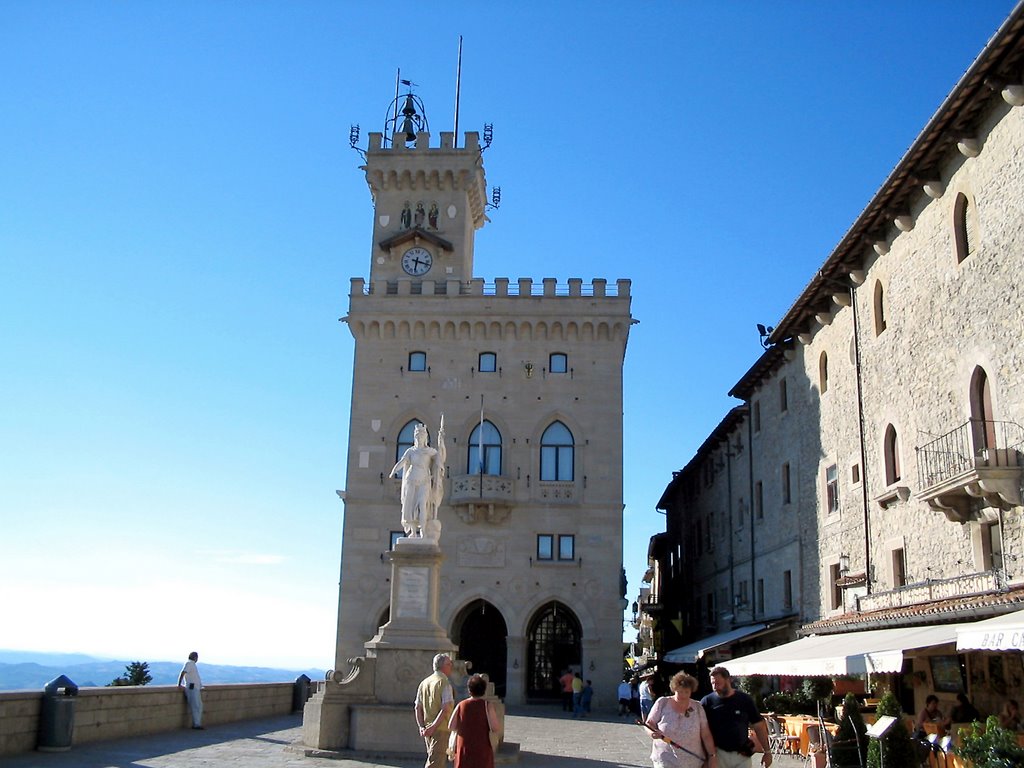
180,214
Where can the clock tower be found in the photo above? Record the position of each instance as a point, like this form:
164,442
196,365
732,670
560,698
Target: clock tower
428,204
527,375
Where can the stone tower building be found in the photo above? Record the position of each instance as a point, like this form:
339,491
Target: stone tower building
872,477
528,377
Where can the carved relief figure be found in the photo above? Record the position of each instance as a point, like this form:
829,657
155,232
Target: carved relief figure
432,216
406,216
422,482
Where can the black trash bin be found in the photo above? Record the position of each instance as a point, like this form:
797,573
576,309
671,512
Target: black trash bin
57,715
300,693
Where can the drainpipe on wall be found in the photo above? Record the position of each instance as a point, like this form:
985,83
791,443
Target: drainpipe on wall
728,508
860,436
750,477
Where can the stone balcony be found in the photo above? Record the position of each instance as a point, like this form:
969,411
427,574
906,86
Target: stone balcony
974,466
478,498
932,590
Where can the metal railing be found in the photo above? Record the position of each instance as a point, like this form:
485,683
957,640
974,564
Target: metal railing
974,444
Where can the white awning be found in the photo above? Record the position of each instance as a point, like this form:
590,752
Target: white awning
688,654
846,653
1000,633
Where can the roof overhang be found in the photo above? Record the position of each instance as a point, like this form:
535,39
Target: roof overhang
1001,633
693,652
844,653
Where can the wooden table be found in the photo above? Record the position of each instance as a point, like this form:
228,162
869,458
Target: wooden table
797,725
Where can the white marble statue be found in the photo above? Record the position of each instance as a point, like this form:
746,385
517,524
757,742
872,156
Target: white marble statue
422,483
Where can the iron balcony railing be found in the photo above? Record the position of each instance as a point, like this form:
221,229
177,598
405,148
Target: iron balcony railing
974,444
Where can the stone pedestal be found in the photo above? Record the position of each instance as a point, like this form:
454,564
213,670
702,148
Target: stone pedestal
370,708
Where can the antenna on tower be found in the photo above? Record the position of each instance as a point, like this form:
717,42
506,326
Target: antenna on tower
458,87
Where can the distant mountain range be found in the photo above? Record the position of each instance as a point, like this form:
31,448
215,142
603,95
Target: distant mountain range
26,670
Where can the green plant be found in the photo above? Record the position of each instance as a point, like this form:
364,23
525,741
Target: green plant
993,747
899,749
136,673
850,742
752,685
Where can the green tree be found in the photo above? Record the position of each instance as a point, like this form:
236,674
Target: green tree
995,747
850,744
136,673
899,749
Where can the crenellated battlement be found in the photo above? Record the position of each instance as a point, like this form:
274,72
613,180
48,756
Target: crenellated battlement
422,144
522,287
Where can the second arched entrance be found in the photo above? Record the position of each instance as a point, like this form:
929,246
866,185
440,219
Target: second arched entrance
553,646
482,637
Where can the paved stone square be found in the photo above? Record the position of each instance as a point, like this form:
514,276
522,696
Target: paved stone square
547,738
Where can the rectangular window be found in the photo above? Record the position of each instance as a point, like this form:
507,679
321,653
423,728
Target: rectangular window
743,598
832,488
787,590
556,463
855,474
395,536
756,406
759,607
836,592
558,362
566,547
545,546
786,494
488,362
783,396
899,568
417,361
700,538
711,608
759,500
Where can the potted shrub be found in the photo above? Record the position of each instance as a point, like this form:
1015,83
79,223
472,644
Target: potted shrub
899,750
991,747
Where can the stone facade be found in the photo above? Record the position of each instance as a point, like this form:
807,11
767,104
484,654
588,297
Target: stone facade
526,355
885,417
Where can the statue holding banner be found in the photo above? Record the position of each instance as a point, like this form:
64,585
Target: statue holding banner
422,469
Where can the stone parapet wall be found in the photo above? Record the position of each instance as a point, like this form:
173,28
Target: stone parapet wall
103,714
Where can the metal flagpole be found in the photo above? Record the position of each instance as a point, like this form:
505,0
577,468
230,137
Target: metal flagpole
398,80
458,86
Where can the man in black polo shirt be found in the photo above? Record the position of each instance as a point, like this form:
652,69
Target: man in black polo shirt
730,714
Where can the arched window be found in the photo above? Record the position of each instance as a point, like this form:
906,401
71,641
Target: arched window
406,439
823,373
879,307
488,437
891,449
556,453
982,426
963,227
417,361
558,362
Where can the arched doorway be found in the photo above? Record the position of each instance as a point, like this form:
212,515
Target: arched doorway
982,426
483,639
553,645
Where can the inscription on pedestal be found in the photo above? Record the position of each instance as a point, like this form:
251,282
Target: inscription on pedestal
413,592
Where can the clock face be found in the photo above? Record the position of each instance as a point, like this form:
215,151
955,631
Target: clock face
417,261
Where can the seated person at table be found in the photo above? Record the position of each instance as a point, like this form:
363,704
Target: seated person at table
964,711
931,714
1010,716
